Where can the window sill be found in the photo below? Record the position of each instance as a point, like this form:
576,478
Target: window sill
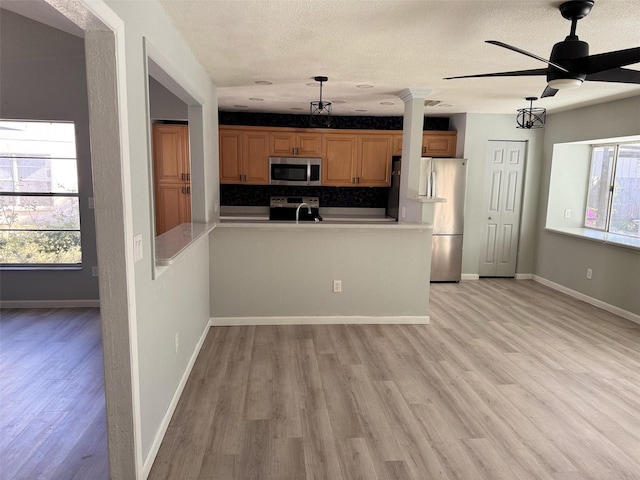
29,268
598,236
170,245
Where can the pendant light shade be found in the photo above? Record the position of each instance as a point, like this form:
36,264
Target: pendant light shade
320,111
530,117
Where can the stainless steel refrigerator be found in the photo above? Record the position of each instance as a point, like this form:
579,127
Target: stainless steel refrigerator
447,179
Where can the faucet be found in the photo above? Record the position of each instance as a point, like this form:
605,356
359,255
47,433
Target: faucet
298,211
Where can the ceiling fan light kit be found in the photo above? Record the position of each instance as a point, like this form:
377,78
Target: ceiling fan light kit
565,83
530,117
320,111
570,63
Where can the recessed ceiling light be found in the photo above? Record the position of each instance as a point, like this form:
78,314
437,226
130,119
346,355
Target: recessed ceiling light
240,106
296,108
338,101
431,103
364,85
387,103
314,84
445,105
360,110
263,82
256,99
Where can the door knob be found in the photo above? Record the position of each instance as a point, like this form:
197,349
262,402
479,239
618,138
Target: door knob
490,218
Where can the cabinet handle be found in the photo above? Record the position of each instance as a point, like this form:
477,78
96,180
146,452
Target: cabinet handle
182,177
182,190
188,190
188,177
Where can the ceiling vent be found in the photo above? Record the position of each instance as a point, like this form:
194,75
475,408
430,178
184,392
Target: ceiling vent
431,103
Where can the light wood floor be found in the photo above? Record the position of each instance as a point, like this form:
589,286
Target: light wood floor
52,411
511,380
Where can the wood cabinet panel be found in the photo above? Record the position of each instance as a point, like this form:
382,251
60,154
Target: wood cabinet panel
439,144
434,144
374,161
172,177
297,144
244,156
338,154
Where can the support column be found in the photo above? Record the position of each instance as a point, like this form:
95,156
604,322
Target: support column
413,98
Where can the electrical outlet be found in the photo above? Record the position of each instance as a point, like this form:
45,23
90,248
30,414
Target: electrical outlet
404,212
177,341
589,273
94,271
337,286
567,213
92,203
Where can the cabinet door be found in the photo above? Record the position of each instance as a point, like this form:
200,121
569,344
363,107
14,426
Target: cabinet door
256,158
282,144
396,146
172,206
338,159
230,156
309,145
439,144
374,161
170,152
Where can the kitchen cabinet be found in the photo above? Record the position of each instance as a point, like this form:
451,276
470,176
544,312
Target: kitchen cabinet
439,144
172,176
362,160
244,156
434,144
299,144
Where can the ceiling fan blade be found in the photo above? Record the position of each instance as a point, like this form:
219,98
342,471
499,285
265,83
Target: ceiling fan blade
618,75
607,61
515,73
549,92
528,54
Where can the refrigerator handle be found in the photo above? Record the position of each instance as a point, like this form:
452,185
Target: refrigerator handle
434,191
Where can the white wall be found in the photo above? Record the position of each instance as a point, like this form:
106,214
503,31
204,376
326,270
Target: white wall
564,260
42,77
477,130
178,300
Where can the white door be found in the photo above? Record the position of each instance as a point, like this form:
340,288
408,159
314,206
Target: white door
504,170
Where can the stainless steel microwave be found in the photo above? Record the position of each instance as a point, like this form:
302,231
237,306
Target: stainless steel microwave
294,171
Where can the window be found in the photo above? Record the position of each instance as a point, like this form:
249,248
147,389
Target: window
39,204
613,196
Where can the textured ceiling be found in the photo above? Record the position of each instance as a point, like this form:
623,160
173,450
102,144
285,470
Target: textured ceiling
392,45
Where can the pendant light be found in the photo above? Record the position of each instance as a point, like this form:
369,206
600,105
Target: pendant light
319,111
530,117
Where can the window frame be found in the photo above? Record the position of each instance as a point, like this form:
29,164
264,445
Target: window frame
44,194
610,190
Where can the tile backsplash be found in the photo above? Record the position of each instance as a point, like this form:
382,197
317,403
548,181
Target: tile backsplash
258,195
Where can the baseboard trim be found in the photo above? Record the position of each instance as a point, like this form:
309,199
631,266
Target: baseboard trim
590,300
319,320
524,276
50,303
470,276
164,425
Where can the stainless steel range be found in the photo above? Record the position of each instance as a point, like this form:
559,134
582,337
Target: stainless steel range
285,208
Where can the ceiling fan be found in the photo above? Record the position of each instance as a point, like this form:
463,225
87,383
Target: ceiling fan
570,63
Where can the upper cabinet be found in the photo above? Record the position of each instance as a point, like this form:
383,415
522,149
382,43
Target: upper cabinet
439,144
298,144
434,144
351,160
244,156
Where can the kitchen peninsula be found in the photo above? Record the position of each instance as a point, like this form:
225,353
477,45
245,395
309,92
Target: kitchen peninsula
287,272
